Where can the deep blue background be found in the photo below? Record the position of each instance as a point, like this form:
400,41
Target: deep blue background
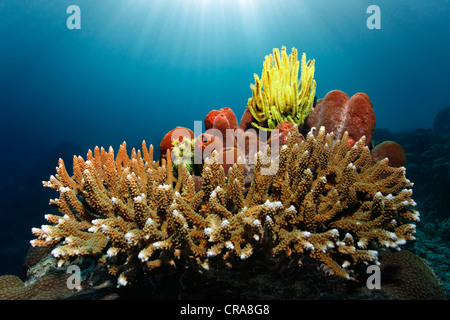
137,69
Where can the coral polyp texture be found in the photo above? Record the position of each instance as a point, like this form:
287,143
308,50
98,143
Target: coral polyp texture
281,95
315,199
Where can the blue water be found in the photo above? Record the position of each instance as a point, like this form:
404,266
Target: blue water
136,69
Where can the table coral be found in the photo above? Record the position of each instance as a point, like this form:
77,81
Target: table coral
281,95
316,198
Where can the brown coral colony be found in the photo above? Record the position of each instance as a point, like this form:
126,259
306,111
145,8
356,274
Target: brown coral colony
320,196
315,198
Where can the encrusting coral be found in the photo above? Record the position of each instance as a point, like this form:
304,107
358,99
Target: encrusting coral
280,95
315,198
49,287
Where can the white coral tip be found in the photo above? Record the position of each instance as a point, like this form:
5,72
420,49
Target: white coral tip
291,208
45,228
128,236
56,252
157,244
122,281
176,213
64,189
229,245
112,252
142,256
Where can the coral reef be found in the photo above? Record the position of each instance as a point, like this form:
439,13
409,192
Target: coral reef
442,120
433,245
339,114
230,205
315,199
280,95
428,165
256,279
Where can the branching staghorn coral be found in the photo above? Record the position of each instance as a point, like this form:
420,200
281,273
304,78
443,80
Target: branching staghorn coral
280,95
315,198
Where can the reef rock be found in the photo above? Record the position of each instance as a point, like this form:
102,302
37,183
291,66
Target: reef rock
442,120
